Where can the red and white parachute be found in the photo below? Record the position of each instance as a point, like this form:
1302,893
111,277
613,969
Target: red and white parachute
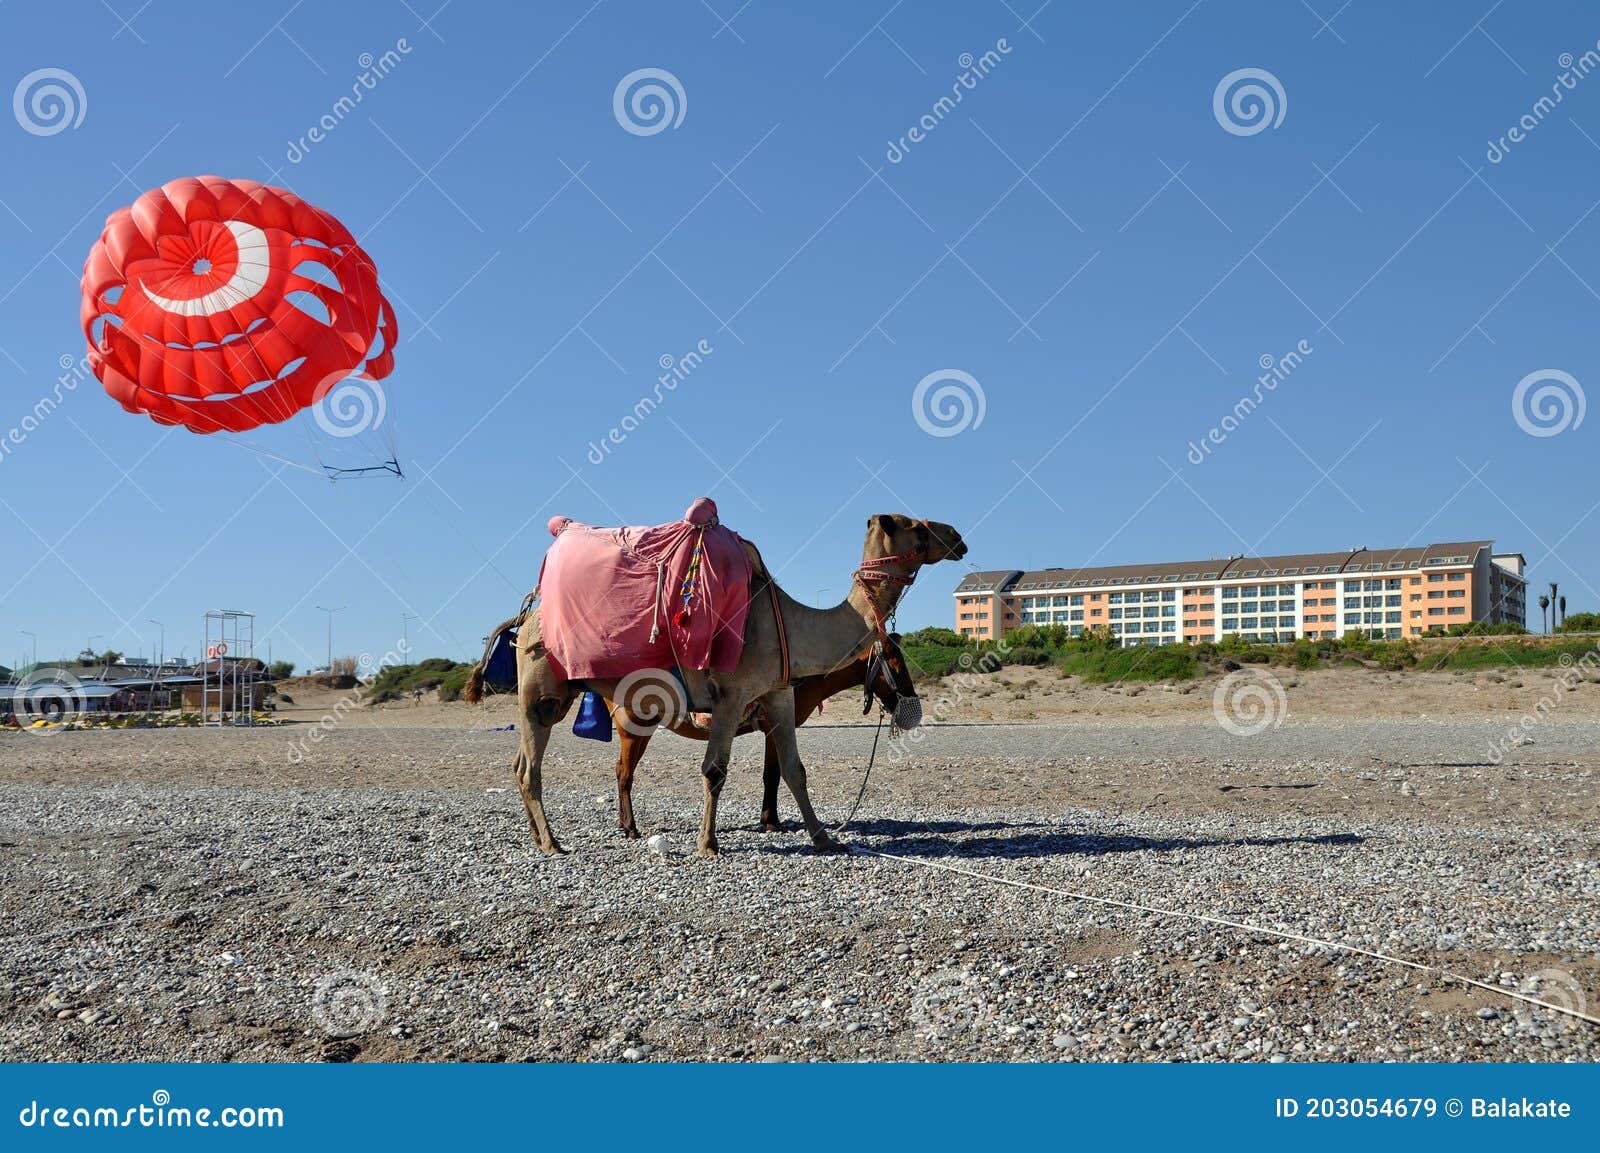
224,305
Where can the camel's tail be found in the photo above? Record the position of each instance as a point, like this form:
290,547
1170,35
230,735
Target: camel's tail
472,692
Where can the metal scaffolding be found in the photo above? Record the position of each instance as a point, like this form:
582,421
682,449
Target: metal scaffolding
229,676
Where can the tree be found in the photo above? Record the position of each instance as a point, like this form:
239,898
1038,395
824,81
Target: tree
1544,607
280,670
1563,613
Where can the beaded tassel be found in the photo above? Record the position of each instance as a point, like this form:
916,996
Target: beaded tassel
691,582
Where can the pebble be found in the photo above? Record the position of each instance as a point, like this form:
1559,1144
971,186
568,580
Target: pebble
576,957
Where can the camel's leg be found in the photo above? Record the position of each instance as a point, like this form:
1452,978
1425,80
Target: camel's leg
635,739
725,715
770,773
544,701
780,707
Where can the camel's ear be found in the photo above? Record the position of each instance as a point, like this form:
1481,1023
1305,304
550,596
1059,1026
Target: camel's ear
885,523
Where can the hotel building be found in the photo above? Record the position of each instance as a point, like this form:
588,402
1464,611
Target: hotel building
1385,593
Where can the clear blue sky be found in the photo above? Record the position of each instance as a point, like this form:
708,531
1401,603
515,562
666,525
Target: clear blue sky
535,304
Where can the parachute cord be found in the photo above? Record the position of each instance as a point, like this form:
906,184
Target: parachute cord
240,443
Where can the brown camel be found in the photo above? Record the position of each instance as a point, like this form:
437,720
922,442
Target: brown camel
888,681
820,641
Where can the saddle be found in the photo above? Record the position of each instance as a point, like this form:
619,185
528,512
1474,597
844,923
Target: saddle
615,601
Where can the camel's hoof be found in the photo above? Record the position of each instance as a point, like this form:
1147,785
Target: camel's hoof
711,850
827,844
631,833
771,825
552,850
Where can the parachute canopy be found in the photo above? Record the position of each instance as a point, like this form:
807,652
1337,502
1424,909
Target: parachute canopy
222,305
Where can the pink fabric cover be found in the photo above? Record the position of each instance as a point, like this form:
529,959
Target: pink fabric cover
598,596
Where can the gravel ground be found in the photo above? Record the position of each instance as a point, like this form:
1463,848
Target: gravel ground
194,895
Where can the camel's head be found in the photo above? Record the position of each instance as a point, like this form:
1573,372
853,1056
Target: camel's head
890,681
928,540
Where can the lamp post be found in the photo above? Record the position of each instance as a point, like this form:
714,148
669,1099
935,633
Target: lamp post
161,657
330,613
819,596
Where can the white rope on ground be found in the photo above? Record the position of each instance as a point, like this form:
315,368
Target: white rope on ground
1225,923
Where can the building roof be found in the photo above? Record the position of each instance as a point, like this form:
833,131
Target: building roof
51,690
1227,568
986,582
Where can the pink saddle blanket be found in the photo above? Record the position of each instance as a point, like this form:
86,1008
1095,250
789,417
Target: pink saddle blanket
613,601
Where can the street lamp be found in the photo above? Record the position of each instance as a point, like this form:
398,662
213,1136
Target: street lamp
162,657
330,613
819,596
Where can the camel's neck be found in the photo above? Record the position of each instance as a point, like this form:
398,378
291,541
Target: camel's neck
823,640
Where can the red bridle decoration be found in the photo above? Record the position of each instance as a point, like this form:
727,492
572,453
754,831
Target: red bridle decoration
870,573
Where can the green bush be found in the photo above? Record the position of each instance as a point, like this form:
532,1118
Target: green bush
1101,665
397,682
1028,656
1485,629
1098,658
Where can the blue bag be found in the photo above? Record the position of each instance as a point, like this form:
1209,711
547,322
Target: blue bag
500,670
594,719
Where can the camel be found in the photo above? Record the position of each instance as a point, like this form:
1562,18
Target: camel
819,642
888,681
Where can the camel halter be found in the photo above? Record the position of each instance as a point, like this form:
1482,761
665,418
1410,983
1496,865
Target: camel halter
870,573
907,711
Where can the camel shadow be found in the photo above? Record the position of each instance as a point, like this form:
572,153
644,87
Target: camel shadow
956,839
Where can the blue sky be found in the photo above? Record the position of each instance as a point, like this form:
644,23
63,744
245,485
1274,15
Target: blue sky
1081,236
